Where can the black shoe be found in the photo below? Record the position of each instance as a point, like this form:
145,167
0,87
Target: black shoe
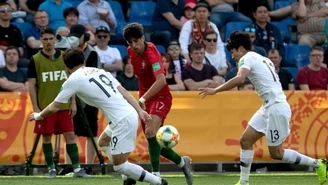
164,182
129,181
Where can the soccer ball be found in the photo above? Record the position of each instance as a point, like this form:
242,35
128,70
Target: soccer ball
167,136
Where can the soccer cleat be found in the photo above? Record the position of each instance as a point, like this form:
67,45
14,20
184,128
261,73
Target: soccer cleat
164,182
187,170
241,183
322,170
81,173
129,181
52,174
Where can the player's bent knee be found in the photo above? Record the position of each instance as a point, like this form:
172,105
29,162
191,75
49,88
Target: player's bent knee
69,137
245,143
120,168
276,153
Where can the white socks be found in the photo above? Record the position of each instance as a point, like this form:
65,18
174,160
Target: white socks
293,157
246,158
182,163
137,173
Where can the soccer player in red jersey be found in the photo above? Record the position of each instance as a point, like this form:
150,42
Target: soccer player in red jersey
155,96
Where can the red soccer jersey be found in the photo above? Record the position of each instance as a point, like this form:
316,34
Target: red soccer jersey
146,67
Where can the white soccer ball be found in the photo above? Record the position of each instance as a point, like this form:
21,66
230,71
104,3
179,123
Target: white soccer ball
167,136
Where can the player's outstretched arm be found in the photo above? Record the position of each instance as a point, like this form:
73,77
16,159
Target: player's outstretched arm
234,82
143,115
50,109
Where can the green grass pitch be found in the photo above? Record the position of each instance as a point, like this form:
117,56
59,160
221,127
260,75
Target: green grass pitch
199,179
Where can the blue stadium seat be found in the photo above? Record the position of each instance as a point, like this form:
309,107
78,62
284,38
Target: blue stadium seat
142,12
298,55
281,4
117,10
160,49
233,26
293,71
289,21
122,49
119,28
285,33
24,69
75,3
23,26
229,57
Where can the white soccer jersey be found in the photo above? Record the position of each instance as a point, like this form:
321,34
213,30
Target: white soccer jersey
264,78
97,88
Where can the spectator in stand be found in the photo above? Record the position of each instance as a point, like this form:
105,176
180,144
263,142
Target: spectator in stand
193,30
246,86
30,7
71,16
267,35
223,12
173,80
313,76
188,13
127,79
179,63
166,23
197,74
63,31
251,30
285,77
11,77
55,9
110,58
246,7
212,54
310,16
32,35
10,35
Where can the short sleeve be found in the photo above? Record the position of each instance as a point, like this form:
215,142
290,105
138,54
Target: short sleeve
290,77
68,89
164,6
214,72
301,77
155,60
117,54
31,72
245,62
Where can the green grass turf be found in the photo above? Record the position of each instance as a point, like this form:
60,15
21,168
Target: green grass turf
199,179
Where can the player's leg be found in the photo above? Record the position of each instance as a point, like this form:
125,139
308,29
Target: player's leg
158,111
46,127
65,126
123,142
253,132
278,130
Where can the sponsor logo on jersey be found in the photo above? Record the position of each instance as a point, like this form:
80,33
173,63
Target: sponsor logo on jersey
54,76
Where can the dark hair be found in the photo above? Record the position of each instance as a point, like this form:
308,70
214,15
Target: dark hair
125,61
73,58
237,39
41,11
210,32
257,5
132,31
10,48
4,4
47,30
169,60
70,10
273,50
195,46
318,48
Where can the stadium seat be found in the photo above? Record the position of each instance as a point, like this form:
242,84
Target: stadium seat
75,3
293,71
285,33
229,57
119,28
23,26
298,55
117,10
281,4
23,69
142,12
122,49
161,49
233,26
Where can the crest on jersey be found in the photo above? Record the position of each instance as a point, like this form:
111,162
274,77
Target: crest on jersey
143,64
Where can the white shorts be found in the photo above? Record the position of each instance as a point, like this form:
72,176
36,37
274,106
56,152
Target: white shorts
273,122
123,134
